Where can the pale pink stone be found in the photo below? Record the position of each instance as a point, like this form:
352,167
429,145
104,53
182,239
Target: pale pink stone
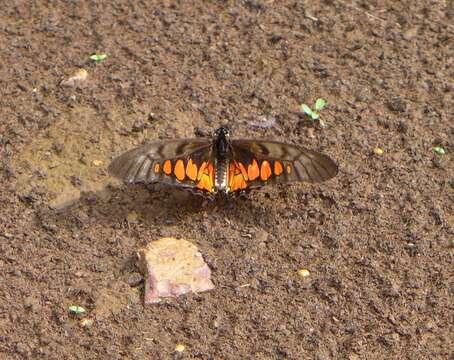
173,267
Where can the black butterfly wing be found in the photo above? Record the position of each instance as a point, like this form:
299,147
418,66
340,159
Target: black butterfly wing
273,162
178,162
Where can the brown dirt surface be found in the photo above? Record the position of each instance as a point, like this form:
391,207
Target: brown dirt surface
377,240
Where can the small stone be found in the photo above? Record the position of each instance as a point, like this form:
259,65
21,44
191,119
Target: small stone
179,348
97,162
86,322
303,272
377,151
173,267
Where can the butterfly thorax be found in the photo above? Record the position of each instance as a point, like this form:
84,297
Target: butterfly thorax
222,159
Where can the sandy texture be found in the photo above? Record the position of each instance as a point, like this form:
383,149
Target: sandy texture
377,240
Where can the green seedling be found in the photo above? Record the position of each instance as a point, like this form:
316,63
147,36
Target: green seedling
74,309
314,113
98,57
439,150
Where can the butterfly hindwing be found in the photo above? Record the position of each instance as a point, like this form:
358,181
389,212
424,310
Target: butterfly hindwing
186,163
269,162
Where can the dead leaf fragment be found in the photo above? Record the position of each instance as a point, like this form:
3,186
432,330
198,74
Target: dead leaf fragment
173,267
78,76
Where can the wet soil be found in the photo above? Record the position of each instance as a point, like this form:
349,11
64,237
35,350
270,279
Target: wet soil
377,240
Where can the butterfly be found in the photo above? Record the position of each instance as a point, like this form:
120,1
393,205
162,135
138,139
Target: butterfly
221,165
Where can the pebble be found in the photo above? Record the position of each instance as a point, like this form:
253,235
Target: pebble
173,267
303,272
86,322
378,151
179,347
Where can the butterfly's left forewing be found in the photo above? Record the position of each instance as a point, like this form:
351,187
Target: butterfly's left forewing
186,163
257,163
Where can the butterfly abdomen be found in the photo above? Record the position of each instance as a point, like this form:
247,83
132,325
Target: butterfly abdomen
221,176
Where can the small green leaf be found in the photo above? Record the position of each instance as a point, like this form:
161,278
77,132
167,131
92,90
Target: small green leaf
439,150
320,104
98,57
306,109
315,115
76,309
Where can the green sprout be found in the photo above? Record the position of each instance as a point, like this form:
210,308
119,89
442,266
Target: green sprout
74,309
313,113
98,57
439,150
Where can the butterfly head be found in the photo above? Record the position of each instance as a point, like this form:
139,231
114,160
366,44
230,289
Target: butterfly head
221,141
222,131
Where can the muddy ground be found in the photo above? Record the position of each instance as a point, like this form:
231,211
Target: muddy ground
377,240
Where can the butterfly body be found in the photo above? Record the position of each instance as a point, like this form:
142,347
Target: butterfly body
220,165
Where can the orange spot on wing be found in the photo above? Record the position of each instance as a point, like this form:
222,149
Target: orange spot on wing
191,170
201,170
278,169
179,170
211,172
157,167
243,171
167,167
289,169
265,170
232,168
237,182
206,177
253,171
237,176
